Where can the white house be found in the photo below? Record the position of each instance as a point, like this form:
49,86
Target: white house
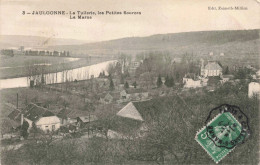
258,74
190,83
211,69
253,89
41,117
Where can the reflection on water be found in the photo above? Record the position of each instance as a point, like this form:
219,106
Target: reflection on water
82,73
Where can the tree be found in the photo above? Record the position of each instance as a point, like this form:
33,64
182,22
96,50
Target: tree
111,85
169,82
89,107
241,73
100,75
122,79
111,70
24,129
126,85
166,81
226,70
35,130
159,81
135,84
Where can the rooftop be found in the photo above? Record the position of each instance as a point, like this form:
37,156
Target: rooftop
88,118
33,112
135,90
15,115
149,110
72,114
212,65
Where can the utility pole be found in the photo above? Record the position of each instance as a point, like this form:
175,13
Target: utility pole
17,101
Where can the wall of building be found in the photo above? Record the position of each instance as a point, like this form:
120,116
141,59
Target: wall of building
253,88
190,83
51,123
212,73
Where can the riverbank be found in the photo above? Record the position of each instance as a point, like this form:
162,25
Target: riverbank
82,73
22,66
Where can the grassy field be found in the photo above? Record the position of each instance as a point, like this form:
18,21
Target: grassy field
21,61
17,66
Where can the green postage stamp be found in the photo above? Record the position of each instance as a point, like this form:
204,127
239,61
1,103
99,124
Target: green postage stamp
222,133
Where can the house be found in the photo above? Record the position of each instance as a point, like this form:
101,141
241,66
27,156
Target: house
257,75
125,128
138,93
16,116
211,69
192,81
226,78
253,89
135,118
10,120
82,121
9,128
134,94
107,99
124,95
41,117
67,116
130,111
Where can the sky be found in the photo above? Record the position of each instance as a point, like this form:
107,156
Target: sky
157,17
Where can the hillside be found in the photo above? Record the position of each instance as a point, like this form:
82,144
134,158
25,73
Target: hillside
234,42
7,41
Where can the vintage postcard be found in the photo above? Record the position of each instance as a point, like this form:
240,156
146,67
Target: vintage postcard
129,82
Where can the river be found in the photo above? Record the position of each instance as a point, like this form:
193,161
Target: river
82,73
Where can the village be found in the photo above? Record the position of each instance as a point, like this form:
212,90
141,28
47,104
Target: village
123,102
77,107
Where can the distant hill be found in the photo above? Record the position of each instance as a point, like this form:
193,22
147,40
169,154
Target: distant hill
7,41
235,41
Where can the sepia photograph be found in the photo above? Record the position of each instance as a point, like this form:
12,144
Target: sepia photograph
131,82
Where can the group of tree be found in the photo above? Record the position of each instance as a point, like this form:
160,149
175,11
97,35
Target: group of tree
169,81
111,84
167,137
154,64
8,52
114,70
243,73
47,53
134,84
102,74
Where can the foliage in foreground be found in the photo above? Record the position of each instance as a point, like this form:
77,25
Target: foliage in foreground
169,140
